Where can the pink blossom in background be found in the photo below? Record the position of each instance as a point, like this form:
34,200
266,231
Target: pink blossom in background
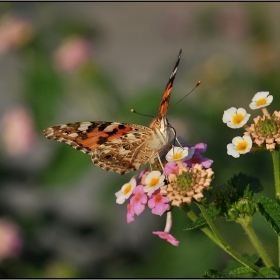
10,240
233,23
18,131
14,33
158,203
74,53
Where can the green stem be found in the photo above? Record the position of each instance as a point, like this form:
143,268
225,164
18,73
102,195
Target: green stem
225,245
247,225
204,229
278,239
275,159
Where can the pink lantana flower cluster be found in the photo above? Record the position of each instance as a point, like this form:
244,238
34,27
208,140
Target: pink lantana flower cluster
73,54
15,32
185,176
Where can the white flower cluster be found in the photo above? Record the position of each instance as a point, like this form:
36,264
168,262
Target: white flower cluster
236,118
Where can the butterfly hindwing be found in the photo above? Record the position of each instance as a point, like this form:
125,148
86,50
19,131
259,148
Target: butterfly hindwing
127,152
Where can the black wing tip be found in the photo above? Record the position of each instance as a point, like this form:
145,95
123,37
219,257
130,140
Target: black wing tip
180,52
173,74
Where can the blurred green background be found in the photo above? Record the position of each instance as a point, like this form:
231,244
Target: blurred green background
70,62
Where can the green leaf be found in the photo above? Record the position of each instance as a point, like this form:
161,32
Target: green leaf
271,212
242,180
212,273
234,264
268,273
241,272
212,211
199,222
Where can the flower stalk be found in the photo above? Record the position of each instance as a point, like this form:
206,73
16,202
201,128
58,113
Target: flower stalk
275,160
265,112
246,223
204,229
226,246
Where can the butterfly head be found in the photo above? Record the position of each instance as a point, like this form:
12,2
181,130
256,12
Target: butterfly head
161,128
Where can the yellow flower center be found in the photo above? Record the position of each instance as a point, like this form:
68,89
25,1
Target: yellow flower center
238,118
242,146
127,189
261,102
153,182
177,156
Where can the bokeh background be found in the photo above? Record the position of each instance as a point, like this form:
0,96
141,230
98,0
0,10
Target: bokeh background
69,62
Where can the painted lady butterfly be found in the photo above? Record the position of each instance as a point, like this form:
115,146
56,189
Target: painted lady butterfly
119,147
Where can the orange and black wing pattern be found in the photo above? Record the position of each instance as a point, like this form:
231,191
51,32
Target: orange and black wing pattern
87,136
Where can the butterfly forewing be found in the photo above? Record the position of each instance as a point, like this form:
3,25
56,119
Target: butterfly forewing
86,136
163,106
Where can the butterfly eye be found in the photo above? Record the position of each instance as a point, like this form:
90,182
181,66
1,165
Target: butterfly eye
157,123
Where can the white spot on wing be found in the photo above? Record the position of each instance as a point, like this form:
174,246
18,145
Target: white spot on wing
74,134
49,131
84,126
111,127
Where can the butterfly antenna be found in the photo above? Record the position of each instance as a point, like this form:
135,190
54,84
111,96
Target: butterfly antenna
133,111
198,83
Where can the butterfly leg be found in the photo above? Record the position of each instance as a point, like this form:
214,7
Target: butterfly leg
160,162
175,136
163,171
178,142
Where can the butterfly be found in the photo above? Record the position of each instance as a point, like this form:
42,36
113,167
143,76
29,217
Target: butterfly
119,147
